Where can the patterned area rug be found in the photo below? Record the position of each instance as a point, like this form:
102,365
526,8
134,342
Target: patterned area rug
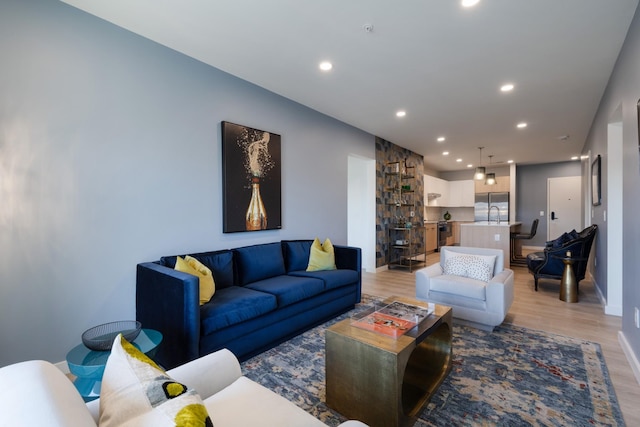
512,376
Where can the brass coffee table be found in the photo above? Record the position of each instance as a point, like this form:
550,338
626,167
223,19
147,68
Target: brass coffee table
386,381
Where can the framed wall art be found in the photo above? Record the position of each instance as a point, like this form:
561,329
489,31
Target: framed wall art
596,183
251,179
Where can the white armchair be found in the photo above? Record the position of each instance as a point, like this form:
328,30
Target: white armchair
480,301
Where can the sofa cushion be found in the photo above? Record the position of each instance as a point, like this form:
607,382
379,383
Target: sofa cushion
296,254
332,278
219,262
136,392
469,266
192,266
234,305
458,285
289,289
259,262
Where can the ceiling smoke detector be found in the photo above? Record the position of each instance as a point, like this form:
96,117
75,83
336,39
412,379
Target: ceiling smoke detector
368,27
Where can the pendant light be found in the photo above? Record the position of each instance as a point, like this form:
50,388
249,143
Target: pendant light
491,177
480,171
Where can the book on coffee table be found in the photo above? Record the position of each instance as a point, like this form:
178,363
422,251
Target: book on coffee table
394,319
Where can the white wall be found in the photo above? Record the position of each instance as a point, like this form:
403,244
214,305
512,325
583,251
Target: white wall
362,209
110,155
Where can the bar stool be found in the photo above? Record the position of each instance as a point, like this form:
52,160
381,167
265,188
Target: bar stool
518,258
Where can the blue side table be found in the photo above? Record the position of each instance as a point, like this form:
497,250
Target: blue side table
88,365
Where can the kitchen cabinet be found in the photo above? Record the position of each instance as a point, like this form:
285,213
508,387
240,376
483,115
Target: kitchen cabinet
431,239
453,194
502,185
455,231
433,185
461,194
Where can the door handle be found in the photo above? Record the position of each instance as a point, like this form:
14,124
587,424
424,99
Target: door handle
553,215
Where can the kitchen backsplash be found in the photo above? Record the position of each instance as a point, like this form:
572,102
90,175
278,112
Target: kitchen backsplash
433,213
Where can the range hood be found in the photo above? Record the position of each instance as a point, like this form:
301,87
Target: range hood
431,196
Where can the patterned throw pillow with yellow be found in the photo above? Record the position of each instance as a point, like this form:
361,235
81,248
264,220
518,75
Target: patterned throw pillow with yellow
137,392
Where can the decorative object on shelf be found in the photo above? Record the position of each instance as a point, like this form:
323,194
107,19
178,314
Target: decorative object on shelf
251,174
480,171
447,216
101,337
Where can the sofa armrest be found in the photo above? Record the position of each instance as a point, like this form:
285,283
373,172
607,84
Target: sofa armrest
423,279
350,258
36,393
500,293
168,301
208,374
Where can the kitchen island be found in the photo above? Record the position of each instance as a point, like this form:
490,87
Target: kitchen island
489,234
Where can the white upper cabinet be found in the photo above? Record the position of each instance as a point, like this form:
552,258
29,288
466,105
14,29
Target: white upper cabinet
461,193
452,193
435,186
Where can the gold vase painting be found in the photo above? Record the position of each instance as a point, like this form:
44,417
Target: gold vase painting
251,179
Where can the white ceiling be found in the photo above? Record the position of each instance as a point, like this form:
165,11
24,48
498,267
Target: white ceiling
440,62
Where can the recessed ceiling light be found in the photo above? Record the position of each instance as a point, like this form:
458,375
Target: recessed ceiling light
521,125
441,139
326,66
459,160
401,113
469,165
509,161
445,153
574,158
508,87
469,3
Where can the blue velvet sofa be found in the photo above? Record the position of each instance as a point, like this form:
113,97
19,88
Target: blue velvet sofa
264,296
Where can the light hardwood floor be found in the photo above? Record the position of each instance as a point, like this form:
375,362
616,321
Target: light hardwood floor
544,311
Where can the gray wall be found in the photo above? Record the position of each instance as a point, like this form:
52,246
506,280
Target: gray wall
623,90
531,190
110,155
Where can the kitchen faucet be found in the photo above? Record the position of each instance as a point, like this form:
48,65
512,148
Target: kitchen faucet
494,206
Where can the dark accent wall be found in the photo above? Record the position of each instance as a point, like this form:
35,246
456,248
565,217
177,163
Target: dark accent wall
387,152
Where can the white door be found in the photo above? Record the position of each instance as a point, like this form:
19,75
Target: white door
563,205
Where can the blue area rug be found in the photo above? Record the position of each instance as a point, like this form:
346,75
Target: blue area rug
512,376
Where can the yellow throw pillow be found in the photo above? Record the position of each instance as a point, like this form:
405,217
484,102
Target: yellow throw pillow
193,266
137,393
322,256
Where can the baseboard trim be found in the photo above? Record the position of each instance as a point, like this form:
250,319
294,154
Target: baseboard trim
630,355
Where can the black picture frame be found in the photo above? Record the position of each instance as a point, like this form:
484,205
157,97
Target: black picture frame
251,179
596,182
